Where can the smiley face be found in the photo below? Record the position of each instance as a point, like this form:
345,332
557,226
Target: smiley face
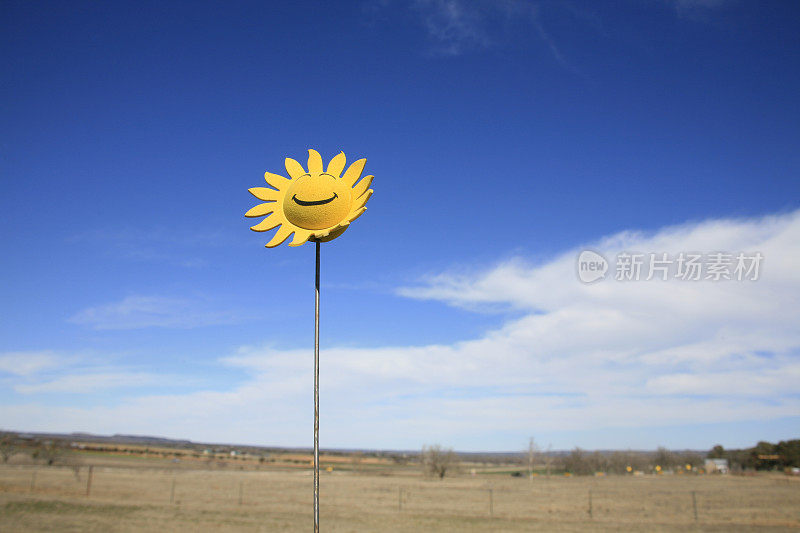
317,204
317,201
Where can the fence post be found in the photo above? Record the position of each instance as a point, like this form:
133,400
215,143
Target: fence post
89,481
400,499
172,491
590,503
694,505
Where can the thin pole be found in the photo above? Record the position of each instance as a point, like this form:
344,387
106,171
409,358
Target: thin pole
89,481
316,394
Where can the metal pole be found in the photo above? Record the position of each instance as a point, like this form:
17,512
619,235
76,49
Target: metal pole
316,394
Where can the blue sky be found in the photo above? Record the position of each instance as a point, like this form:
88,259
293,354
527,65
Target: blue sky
504,136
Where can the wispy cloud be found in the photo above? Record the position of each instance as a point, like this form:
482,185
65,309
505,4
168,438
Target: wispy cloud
453,24
28,363
580,358
35,372
85,383
458,26
726,339
135,312
174,247
697,9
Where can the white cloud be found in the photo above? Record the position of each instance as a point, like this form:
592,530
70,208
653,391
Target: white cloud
453,24
91,382
579,358
34,372
171,246
28,363
592,356
456,26
135,312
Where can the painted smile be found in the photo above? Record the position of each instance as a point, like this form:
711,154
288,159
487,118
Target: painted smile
314,202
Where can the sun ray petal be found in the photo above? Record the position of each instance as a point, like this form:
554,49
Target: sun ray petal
336,165
360,201
294,168
266,194
362,186
332,233
315,162
352,174
356,214
261,209
276,180
281,235
271,222
300,237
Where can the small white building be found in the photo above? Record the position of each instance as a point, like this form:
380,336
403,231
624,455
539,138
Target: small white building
717,466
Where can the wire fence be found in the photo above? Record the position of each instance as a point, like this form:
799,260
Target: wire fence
756,501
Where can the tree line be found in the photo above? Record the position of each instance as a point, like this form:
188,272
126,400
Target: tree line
762,456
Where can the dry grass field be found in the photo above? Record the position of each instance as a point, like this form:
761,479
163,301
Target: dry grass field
159,496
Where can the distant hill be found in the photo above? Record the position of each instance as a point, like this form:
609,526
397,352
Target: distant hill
148,440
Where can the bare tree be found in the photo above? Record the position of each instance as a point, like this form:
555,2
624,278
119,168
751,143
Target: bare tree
532,449
692,459
50,452
400,458
437,461
578,463
356,459
626,462
665,458
8,447
598,462
548,459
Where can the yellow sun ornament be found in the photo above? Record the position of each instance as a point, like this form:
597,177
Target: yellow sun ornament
317,205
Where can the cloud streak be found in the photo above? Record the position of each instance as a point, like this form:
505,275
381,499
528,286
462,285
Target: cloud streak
136,312
29,363
169,246
91,382
457,26
454,25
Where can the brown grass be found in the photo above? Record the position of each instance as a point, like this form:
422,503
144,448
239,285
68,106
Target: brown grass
124,498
